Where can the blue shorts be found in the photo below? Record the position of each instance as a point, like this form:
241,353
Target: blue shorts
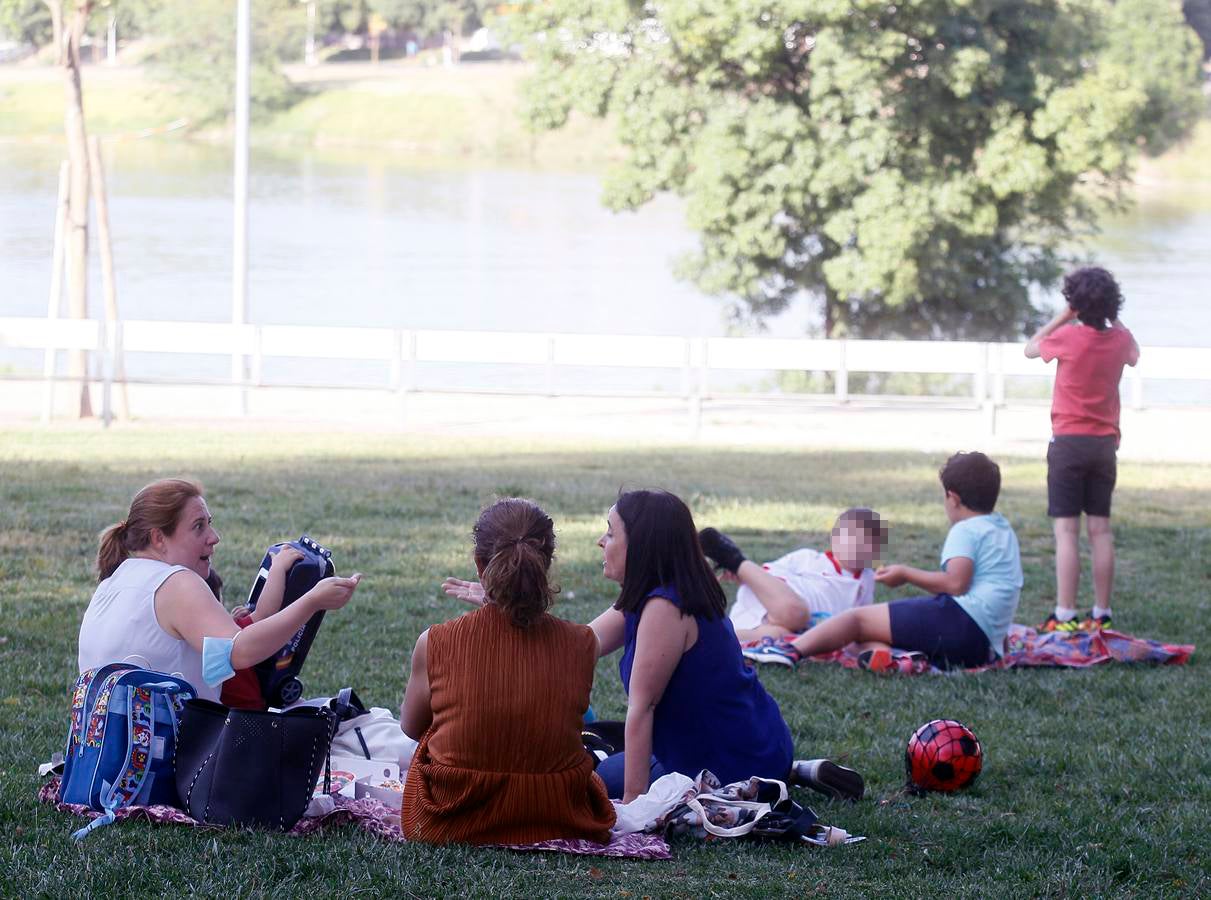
941,629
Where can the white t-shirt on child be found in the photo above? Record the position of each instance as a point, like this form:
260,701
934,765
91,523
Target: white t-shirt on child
825,588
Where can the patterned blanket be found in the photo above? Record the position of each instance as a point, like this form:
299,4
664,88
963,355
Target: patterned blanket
380,820
1077,650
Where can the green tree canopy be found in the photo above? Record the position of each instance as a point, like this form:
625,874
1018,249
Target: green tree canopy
30,20
917,165
425,16
199,54
25,20
432,16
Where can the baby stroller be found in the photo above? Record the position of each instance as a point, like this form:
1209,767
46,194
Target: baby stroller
278,675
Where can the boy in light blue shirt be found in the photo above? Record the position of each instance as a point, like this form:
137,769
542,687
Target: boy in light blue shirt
964,621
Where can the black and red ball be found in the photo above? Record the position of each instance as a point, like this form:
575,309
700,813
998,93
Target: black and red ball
943,755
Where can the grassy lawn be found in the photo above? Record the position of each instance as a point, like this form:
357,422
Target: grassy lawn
1096,782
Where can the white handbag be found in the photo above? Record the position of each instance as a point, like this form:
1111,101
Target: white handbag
374,735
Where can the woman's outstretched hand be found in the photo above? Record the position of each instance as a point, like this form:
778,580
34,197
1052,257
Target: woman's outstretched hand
333,593
467,591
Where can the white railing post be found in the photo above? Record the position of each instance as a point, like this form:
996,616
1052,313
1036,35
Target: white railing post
695,375
49,366
841,378
549,369
258,357
980,388
998,374
396,374
395,366
406,354
106,354
979,378
117,341
411,381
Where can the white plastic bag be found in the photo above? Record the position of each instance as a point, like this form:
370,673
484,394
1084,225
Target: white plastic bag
647,811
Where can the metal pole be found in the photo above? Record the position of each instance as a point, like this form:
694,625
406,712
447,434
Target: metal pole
309,46
56,291
117,369
239,275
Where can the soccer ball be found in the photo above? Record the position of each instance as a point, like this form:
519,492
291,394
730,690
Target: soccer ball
942,755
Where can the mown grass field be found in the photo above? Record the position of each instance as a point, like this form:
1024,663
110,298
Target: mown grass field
1096,782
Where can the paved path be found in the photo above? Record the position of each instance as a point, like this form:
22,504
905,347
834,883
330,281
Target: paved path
1162,434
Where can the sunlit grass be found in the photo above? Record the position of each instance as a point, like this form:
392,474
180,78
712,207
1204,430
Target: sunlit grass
1097,782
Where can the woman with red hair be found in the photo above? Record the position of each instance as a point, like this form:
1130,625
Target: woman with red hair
154,608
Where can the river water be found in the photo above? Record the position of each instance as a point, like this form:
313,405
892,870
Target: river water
365,238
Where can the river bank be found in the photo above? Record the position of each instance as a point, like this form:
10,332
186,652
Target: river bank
467,113
464,114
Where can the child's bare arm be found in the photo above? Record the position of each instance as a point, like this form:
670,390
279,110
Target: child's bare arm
270,600
955,579
1063,317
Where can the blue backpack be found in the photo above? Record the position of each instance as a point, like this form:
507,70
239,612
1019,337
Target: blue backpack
121,746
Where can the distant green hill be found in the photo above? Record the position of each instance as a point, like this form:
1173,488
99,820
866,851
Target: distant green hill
466,113
459,115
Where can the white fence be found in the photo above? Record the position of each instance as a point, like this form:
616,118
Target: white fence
401,351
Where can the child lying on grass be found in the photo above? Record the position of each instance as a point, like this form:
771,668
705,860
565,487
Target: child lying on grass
804,587
972,598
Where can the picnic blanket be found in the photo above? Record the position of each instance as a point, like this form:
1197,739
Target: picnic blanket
379,820
1074,650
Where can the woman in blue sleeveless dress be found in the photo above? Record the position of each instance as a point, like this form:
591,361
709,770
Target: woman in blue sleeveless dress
692,704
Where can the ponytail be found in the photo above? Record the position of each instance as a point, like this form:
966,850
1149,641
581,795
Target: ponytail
157,507
514,546
516,579
112,551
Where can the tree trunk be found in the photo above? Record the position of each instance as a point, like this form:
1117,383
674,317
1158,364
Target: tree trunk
109,287
830,312
69,30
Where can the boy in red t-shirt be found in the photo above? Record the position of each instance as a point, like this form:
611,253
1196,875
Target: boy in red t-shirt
1082,455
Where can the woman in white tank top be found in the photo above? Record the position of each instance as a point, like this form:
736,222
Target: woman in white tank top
153,607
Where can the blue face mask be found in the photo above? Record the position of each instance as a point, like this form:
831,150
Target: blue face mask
216,660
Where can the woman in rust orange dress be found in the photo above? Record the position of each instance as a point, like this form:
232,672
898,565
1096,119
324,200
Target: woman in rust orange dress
497,698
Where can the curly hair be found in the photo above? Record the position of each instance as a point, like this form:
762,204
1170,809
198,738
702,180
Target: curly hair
1094,294
975,478
514,545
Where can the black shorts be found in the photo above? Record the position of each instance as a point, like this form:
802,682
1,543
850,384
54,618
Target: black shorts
1081,471
941,629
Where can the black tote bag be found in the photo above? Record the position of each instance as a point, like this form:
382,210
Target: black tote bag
243,767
